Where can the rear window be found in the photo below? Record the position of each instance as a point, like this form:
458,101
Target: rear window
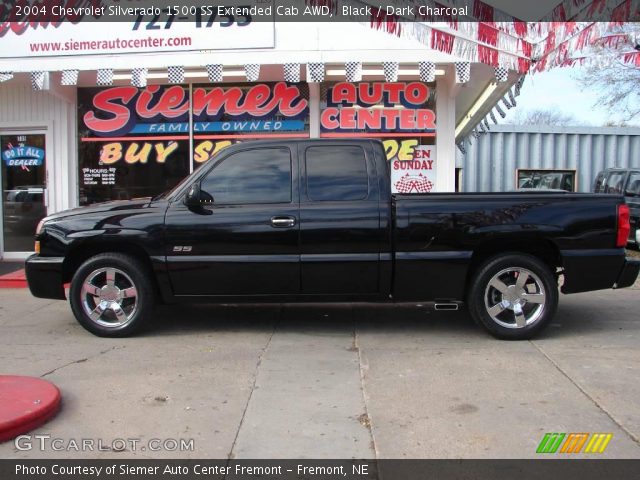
633,187
336,173
615,182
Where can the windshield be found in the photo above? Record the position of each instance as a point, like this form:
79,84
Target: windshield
170,192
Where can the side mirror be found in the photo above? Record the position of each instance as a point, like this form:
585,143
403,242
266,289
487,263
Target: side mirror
192,198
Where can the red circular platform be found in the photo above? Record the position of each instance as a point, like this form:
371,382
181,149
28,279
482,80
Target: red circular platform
25,404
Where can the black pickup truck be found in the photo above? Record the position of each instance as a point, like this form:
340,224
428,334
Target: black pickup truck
315,220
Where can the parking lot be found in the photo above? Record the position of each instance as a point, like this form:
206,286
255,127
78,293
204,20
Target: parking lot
338,381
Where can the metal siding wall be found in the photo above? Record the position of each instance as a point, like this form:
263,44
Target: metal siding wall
491,161
18,104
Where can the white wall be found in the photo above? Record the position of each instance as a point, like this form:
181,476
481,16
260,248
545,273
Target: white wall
22,108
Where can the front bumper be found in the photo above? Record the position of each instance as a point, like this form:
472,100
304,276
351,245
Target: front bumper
44,276
629,273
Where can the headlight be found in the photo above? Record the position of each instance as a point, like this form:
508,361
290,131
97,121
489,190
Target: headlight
41,225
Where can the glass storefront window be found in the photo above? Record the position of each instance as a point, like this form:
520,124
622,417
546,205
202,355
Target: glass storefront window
132,143
400,114
228,114
135,143
23,188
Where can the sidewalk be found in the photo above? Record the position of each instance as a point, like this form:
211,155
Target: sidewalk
12,275
314,381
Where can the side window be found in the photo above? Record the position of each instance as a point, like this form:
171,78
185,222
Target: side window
336,173
262,175
614,182
633,185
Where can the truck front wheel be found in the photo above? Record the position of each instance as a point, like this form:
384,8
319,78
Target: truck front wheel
513,296
112,295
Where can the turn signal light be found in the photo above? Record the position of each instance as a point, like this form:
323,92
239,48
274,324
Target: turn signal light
624,227
36,247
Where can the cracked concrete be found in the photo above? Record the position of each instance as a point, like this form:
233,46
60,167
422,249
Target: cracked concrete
81,360
331,381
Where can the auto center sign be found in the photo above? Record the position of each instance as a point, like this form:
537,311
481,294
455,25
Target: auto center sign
378,109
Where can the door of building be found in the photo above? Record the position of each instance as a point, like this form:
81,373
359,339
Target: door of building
24,189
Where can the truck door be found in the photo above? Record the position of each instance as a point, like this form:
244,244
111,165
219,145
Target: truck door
340,231
243,240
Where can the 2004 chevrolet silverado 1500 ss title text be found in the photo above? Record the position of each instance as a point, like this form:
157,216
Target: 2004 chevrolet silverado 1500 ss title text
315,220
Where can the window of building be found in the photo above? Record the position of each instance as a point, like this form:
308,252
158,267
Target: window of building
136,142
547,179
336,173
252,176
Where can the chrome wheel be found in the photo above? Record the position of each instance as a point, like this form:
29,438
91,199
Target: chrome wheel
109,297
515,298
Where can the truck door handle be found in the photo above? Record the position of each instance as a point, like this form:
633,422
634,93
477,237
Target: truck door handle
283,222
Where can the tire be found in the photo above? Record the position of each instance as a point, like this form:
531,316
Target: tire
118,311
503,307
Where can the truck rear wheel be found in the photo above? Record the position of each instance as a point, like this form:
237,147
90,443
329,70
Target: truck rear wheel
513,296
112,295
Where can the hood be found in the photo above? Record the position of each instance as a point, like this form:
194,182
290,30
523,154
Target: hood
113,206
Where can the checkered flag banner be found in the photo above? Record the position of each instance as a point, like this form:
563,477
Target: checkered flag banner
427,72
409,183
315,72
104,77
214,72
506,103
175,74
139,77
512,99
291,72
463,72
461,147
69,77
252,72
38,80
5,76
353,71
502,74
391,71
500,110
493,117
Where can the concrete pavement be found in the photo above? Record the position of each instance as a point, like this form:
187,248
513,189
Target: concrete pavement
322,381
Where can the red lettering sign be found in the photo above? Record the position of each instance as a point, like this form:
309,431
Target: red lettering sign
343,116
115,110
366,94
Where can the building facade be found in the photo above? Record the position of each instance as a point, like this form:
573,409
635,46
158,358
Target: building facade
133,119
